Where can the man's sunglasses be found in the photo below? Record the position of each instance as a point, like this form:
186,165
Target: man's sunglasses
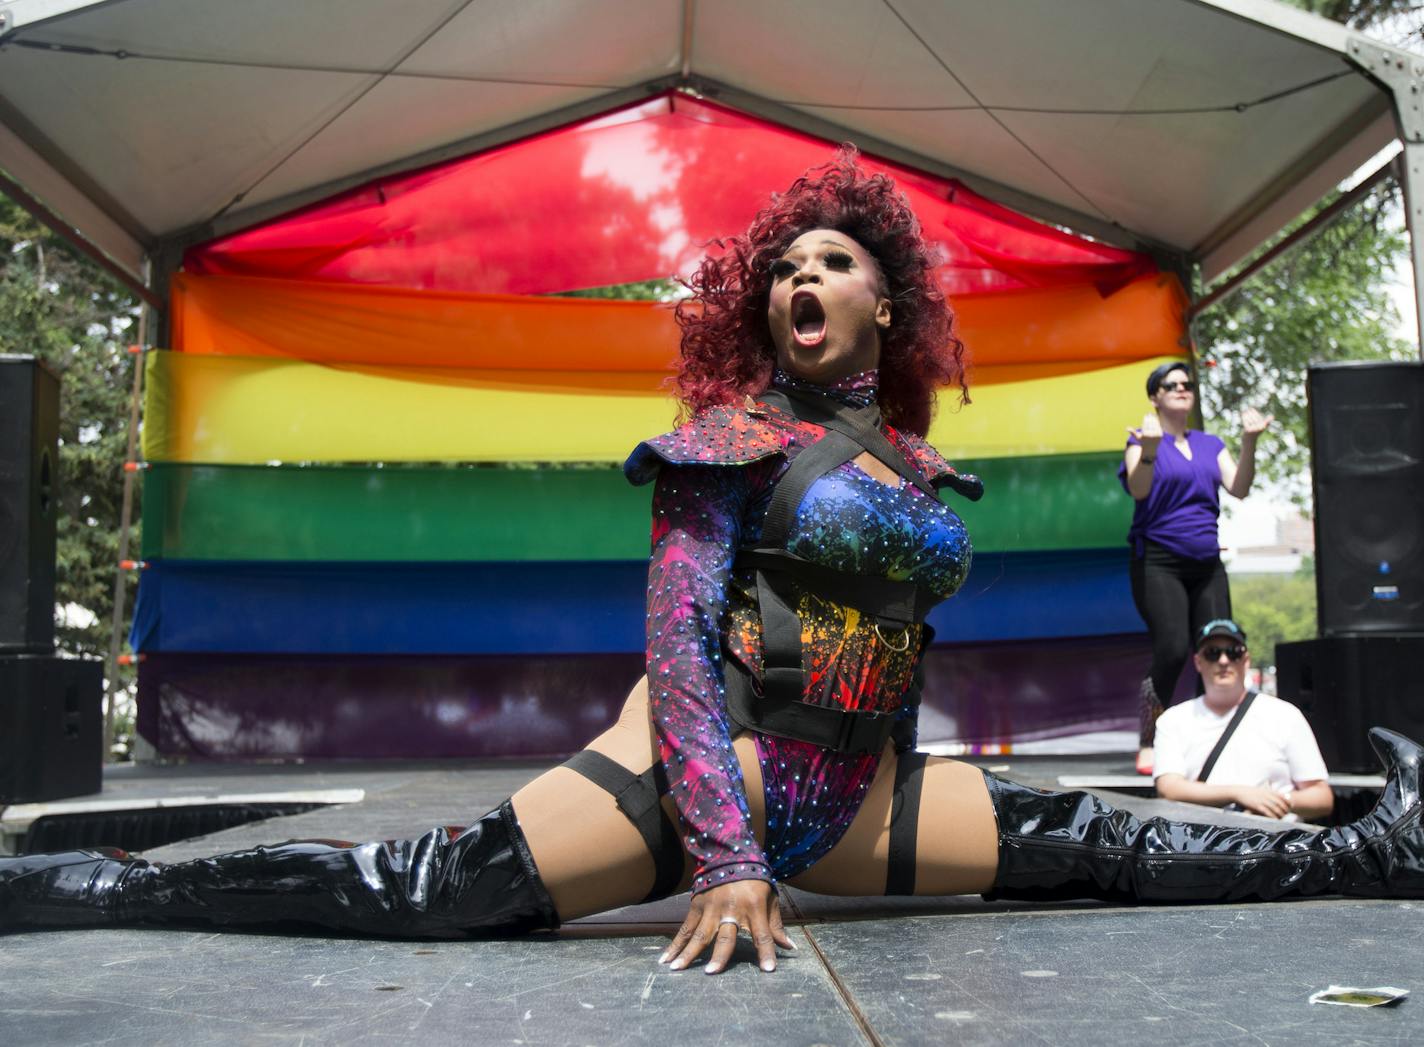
1172,387
1233,653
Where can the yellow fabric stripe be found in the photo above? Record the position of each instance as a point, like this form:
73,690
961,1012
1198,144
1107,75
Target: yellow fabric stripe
229,409
234,409
1060,414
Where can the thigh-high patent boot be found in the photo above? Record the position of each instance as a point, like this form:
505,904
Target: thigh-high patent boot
446,883
1059,846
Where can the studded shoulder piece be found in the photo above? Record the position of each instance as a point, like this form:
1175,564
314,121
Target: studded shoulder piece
727,434
939,471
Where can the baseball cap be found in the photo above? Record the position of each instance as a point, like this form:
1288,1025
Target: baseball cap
1221,628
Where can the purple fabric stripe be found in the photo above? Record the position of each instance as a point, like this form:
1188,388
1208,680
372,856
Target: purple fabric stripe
237,707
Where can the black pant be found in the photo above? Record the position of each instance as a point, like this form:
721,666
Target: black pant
1176,597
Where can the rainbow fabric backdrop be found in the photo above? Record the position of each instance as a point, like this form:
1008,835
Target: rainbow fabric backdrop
383,514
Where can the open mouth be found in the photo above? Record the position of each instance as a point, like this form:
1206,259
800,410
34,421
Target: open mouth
808,318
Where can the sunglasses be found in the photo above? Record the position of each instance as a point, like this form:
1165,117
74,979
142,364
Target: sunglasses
1233,653
1172,387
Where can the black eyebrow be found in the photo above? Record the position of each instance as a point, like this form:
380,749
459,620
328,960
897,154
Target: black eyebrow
833,243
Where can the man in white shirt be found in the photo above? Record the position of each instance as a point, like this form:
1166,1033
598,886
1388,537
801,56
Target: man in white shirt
1270,766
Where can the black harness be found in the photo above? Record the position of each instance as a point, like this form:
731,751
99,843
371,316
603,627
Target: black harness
779,709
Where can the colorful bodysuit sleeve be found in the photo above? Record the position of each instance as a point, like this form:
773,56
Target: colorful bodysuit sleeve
697,525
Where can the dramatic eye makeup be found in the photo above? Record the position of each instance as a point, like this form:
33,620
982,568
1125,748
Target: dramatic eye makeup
832,258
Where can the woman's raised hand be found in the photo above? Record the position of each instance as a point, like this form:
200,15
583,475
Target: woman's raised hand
717,916
1150,435
1254,423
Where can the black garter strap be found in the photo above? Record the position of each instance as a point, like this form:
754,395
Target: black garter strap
639,798
904,822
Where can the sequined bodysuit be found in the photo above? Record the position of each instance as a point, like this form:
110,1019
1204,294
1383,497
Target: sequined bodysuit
715,478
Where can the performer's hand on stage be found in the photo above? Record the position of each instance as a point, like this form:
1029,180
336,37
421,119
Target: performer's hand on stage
1254,423
1150,435
1263,801
717,916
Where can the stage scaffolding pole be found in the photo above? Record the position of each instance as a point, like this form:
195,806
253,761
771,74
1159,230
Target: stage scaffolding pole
116,622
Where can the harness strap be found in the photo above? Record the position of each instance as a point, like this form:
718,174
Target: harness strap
638,797
782,678
904,822
827,453
845,731
895,603
862,425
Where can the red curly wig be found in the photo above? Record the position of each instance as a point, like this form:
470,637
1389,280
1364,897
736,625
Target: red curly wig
727,352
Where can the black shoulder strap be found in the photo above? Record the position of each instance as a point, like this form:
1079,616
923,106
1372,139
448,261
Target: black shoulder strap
862,425
1226,735
831,451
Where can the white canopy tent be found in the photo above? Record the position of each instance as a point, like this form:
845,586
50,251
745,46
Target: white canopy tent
1193,128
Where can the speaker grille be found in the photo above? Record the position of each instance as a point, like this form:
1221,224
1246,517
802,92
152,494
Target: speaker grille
1369,496
29,443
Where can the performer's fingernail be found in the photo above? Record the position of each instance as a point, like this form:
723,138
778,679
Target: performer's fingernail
768,966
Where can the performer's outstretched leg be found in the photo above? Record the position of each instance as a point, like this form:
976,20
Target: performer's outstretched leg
1055,846
980,833
592,856
446,883
484,880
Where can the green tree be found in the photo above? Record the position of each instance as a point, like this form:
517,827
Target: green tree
1368,14
57,305
656,290
1274,608
1326,300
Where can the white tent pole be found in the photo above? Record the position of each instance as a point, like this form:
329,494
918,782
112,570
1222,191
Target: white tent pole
1411,180
1403,75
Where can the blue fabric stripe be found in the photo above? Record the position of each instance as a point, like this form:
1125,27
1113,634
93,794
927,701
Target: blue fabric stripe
555,608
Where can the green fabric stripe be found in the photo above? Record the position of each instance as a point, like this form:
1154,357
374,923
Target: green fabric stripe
428,513
425,513
1060,501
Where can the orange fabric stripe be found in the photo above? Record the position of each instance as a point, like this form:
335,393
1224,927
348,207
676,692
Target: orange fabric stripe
330,323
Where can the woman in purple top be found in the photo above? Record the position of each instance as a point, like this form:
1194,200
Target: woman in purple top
1178,581
797,511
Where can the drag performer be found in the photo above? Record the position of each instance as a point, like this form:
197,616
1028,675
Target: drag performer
1173,473
798,543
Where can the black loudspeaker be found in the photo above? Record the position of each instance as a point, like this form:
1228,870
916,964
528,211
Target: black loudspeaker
29,459
1367,431
1347,684
51,727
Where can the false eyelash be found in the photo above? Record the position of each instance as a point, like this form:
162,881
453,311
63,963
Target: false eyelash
840,259
781,267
